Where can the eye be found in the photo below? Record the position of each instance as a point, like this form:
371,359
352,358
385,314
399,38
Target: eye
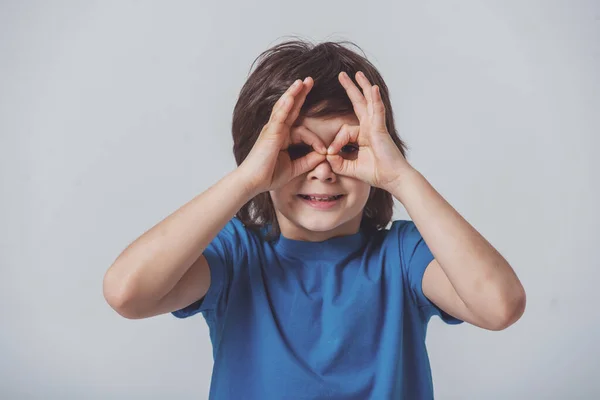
299,150
349,151
350,148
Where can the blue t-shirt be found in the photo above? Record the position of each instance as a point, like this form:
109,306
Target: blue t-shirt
345,318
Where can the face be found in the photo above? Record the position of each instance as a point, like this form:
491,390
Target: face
319,204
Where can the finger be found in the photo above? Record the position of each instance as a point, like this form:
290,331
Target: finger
366,87
299,99
306,163
346,134
378,110
302,134
285,103
356,97
341,166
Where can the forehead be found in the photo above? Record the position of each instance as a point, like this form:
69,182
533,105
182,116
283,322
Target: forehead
326,127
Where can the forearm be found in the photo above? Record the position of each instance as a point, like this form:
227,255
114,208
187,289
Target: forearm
155,262
479,274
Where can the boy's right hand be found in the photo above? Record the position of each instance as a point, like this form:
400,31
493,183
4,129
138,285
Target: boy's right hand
269,166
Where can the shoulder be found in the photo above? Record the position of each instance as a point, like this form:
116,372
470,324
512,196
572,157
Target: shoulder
401,228
235,227
238,234
404,236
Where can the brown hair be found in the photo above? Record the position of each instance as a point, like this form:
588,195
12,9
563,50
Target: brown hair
277,69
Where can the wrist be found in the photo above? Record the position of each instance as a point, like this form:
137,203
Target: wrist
245,182
405,179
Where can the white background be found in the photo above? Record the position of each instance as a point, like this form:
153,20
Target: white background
115,113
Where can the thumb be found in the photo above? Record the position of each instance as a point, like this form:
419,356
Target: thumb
306,163
339,165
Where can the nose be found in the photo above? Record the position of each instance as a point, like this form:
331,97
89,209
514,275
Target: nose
322,172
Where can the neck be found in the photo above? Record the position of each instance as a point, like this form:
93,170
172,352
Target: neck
294,231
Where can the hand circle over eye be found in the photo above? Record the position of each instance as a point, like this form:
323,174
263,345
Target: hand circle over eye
311,142
269,166
377,160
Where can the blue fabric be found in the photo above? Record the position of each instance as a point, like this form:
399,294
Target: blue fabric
341,319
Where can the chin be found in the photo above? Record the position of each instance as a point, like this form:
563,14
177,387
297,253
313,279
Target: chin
319,223
334,225
297,219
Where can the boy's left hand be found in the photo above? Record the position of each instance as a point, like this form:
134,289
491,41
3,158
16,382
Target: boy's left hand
379,162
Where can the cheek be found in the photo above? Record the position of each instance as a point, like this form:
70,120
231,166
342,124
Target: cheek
276,197
282,197
361,192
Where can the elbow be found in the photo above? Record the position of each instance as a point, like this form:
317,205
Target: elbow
510,311
118,296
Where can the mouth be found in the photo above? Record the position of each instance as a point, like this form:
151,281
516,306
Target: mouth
321,198
321,201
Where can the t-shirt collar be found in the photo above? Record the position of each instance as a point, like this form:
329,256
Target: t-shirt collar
336,247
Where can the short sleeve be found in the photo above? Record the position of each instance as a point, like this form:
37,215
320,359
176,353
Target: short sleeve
222,253
415,256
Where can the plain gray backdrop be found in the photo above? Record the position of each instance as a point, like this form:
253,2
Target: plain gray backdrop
113,114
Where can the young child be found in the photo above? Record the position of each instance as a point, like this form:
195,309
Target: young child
306,292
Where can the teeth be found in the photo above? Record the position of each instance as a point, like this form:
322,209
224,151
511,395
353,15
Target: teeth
330,198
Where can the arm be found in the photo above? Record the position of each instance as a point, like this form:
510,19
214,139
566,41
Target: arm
164,270
468,278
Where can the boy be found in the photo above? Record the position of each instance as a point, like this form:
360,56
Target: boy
306,294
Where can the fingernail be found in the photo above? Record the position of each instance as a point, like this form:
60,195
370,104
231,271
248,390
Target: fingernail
330,150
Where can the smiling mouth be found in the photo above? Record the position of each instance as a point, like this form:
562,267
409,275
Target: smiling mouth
321,198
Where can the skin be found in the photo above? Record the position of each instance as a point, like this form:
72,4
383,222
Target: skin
468,278
299,221
164,269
